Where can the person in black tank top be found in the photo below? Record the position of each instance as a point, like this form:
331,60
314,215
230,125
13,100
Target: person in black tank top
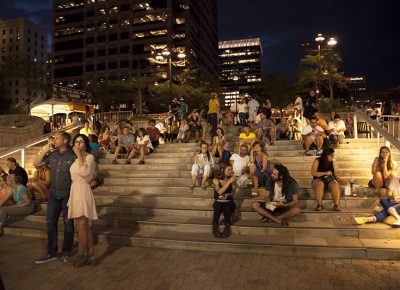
326,179
224,190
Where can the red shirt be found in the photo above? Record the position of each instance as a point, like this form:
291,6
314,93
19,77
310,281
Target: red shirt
153,132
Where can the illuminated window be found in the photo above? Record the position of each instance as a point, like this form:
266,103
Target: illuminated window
102,12
180,35
141,6
125,22
150,18
60,19
114,10
180,20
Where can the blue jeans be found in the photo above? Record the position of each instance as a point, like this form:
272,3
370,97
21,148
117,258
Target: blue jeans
213,120
54,208
386,204
242,118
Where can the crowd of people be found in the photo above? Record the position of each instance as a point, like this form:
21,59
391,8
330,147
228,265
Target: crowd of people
67,168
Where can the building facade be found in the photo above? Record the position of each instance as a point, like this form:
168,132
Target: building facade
240,66
98,40
21,37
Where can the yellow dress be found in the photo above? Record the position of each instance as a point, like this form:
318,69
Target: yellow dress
81,200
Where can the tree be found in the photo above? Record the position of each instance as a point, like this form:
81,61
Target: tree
276,87
322,68
31,73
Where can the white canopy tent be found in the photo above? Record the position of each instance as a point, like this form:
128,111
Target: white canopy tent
53,107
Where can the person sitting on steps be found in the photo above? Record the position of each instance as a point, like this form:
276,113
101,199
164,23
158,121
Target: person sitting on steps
337,128
218,144
203,164
125,144
283,191
259,168
326,179
247,137
240,165
224,190
383,170
390,204
40,183
313,134
142,146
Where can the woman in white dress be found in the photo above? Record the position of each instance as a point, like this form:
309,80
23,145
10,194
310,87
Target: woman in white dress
81,205
203,165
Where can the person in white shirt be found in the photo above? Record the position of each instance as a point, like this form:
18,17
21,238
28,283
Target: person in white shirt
313,134
240,164
203,164
242,111
183,132
298,104
253,109
142,147
337,128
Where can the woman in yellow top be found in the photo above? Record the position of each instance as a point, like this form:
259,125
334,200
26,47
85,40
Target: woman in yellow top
212,117
86,130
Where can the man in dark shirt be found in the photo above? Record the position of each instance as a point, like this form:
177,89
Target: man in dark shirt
59,159
17,170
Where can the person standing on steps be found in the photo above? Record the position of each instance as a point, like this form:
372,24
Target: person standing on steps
253,105
59,159
212,114
81,205
224,190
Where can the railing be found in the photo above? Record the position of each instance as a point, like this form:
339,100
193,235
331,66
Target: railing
379,129
21,148
117,116
392,124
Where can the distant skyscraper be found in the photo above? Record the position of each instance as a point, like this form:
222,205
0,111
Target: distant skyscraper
356,86
98,40
240,66
22,37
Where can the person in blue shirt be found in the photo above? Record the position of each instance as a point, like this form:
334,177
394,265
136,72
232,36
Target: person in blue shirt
281,199
23,203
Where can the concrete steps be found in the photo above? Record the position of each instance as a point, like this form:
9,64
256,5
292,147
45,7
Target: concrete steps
151,205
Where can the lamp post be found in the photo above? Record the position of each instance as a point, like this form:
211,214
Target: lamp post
320,39
166,57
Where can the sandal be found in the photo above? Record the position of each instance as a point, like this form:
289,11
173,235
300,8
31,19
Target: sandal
336,208
319,207
203,187
254,194
265,220
284,223
396,224
359,220
191,187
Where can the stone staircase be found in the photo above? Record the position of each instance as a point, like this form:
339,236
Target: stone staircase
151,205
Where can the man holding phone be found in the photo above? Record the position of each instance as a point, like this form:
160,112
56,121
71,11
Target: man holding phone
59,157
313,134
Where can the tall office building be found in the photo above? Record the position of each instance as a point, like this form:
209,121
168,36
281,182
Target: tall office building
98,40
240,66
22,37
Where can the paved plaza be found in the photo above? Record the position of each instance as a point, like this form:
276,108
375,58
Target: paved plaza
149,268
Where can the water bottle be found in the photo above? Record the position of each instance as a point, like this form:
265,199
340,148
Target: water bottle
365,193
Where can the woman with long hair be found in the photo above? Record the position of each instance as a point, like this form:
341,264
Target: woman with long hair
218,143
106,140
383,169
280,204
203,164
40,183
142,146
224,190
23,204
260,168
81,205
326,179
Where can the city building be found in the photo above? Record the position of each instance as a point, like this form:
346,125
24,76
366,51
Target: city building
21,37
240,66
357,89
98,40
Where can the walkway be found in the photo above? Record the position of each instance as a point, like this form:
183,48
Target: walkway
149,268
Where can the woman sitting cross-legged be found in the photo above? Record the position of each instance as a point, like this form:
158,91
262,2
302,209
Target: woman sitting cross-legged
279,205
260,168
390,204
325,179
23,203
203,164
383,169
224,190
142,146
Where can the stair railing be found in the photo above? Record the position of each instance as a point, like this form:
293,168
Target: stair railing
21,148
380,129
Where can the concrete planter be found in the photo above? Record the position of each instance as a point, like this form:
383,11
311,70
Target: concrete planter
16,129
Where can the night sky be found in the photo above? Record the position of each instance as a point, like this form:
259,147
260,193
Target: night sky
367,31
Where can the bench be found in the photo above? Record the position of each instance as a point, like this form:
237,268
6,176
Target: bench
364,128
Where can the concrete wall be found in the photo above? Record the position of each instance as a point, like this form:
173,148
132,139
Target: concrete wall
16,129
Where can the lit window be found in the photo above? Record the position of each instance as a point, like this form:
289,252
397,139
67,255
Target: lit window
114,10
125,22
102,11
180,20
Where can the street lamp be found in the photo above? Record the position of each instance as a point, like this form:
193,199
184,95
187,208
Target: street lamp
320,40
166,54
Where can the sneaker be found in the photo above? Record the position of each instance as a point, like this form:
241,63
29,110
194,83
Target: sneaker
227,232
308,152
359,220
396,224
45,259
216,231
319,152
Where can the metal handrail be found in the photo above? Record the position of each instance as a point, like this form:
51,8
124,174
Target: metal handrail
378,128
31,143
